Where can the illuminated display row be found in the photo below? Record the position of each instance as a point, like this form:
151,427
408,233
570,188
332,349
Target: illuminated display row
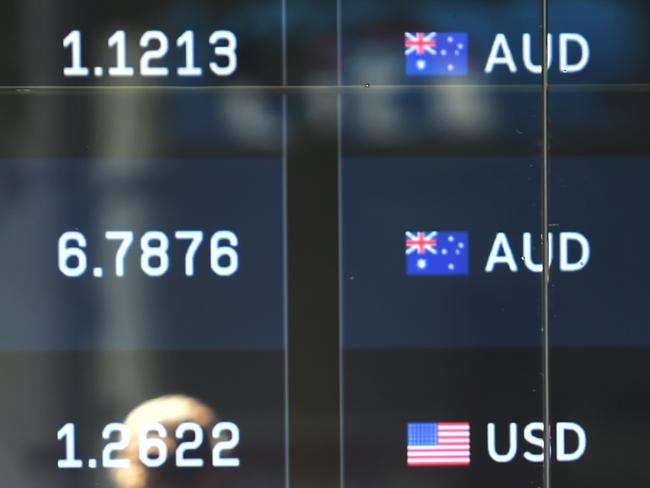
152,450
156,46
154,258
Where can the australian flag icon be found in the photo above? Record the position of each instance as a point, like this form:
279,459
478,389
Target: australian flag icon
436,53
437,253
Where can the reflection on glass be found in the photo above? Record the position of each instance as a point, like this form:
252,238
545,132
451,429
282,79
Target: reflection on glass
171,415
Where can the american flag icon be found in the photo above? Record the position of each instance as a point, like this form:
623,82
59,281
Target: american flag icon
438,444
436,53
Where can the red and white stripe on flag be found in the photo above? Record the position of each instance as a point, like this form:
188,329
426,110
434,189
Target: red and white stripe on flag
453,448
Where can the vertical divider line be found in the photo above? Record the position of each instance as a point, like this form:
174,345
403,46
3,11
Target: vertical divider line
284,44
285,284
546,475
313,260
339,142
285,247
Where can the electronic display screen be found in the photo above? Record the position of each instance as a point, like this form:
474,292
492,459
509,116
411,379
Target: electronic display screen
324,243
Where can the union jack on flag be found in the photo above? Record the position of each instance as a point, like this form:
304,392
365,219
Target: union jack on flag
437,253
436,53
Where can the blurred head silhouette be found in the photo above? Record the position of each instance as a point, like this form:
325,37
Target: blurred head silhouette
169,411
